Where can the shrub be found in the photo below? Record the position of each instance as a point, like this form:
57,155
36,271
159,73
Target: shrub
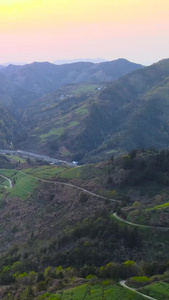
138,281
41,286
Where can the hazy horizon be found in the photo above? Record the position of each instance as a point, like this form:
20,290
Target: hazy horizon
62,30
74,60
60,61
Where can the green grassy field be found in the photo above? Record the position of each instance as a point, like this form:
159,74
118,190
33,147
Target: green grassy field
85,172
82,111
54,131
82,172
94,292
45,172
73,123
162,206
16,158
4,183
159,290
23,185
85,88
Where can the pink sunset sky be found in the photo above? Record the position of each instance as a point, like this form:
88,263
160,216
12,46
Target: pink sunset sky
48,30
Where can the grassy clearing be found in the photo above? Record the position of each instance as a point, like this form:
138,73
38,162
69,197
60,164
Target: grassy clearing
82,172
16,158
86,172
54,131
159,290
111,152
4,183
72,173
86,88
94,292
82,111
23,185
10,173
45,172
73,123
161,206
49,107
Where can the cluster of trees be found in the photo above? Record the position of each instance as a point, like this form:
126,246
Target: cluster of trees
149,165
94,241
28,285
91,242
5,163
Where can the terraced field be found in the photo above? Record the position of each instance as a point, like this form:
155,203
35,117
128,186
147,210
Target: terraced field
23,185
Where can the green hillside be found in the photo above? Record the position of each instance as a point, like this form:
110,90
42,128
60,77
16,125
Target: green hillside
20,85
90,122
104,290
53,122
86,122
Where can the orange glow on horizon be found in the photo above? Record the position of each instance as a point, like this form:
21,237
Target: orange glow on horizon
56,23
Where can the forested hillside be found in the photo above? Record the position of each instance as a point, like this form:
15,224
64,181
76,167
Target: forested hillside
70,232
89,122
8,128
24,83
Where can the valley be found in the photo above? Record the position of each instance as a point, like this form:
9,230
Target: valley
26,154
88,121
84,150
84,201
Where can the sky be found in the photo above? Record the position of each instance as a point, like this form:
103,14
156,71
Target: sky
49,30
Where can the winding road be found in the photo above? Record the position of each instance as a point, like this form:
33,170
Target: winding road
10,182
93,194
73,186
79,188
139,225
123,283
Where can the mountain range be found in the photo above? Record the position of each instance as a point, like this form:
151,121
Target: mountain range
66,61
89,231
85,111
38,79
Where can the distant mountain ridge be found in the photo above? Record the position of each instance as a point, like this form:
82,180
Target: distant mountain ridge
37,79
89,122
66,61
